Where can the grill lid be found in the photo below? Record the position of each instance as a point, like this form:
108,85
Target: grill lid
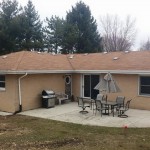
48,92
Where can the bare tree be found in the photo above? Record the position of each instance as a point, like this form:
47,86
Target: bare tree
145,45
117,35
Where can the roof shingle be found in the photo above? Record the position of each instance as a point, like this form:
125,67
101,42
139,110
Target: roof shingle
25,61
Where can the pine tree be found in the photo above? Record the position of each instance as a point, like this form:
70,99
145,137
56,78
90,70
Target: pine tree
89,39
10,14
33,35
70,37
54,33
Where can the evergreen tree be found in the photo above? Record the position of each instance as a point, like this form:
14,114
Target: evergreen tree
54,33
10,17
89,39
33,35
70,37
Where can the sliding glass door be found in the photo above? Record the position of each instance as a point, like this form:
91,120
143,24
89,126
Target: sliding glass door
89,82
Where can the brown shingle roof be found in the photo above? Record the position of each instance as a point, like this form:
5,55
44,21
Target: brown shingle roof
135,60
27,61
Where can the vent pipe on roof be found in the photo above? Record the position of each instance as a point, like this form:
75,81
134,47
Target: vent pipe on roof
5,56
53,54
115,58
71,56
105,52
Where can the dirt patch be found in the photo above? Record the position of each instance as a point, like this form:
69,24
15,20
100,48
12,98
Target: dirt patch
11,129
43,145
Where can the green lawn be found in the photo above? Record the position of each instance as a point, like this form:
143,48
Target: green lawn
23,132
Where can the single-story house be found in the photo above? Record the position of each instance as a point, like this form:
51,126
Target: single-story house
24,75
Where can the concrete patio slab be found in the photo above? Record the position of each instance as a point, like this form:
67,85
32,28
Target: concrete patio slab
5,113
70,113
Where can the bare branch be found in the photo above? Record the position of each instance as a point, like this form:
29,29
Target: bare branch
117,35
145,45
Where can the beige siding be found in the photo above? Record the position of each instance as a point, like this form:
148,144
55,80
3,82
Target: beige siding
33,85
76,85
9,97
129,88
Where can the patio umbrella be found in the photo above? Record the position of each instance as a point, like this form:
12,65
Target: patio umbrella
107,84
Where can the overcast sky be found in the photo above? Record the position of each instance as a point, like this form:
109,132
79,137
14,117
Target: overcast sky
138,9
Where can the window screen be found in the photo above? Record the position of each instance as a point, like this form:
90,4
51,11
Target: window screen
2,82
144,85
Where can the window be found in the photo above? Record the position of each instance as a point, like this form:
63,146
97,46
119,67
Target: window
67,79
2,82
144,85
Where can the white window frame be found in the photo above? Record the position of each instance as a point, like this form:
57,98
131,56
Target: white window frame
142,94
82,85
1,81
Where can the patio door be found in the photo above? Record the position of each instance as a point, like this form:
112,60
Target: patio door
89,82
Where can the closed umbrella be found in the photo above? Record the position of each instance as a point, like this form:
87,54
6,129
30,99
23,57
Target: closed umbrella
107,84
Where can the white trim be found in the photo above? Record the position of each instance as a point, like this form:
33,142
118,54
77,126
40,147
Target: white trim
35,71
113,71
138,86
81,85
143,95
3,81
83,75
140,72
2,89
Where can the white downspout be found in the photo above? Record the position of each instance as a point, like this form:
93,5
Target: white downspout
20,98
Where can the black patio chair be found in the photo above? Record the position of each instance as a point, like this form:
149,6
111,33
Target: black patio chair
102,98
122,110
83,105
101,108
120,102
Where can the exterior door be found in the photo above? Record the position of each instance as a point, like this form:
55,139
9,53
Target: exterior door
89,82
68,85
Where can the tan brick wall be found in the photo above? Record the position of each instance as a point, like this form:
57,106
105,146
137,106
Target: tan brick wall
33,85
76,82
129,88
9,97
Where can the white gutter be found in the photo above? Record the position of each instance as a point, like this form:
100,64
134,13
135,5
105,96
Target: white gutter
35,71
76,71
20,98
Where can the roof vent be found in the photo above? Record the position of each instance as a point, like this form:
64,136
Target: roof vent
53,54
71,56
115,58
105,52
4,56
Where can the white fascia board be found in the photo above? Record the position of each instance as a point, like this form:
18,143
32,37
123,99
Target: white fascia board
34,71
115,71
139,72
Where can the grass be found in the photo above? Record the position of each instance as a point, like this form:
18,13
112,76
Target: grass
23,132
